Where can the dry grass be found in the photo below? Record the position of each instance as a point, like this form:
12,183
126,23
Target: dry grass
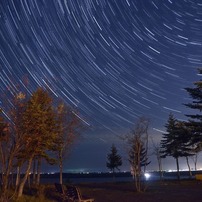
167,191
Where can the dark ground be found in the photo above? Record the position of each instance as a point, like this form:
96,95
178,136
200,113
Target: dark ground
166,191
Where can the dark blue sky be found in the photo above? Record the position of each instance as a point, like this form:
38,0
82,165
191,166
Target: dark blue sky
115,60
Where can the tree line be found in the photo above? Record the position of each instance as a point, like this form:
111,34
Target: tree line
136,142
36,128
182,139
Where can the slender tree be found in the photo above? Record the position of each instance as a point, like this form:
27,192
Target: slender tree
138,159
12,139
195,160
69,126
4,148
114,160
157,153
137,144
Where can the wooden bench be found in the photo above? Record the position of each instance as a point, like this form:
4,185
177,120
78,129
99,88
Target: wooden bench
74,194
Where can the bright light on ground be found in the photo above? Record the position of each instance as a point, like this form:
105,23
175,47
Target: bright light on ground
147,175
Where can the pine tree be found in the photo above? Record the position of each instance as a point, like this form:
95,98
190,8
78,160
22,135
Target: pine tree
175,142
195,120
184,143
114,160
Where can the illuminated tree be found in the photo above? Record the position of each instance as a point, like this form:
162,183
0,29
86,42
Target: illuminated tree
40,131
4,149
35,130
113,160
137,144
12,139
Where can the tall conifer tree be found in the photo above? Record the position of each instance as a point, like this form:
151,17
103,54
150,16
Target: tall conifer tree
171,143
195,120
113,160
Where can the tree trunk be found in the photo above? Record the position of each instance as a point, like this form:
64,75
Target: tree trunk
7,171
178,169
61,171
136,181
4,186
146,148
34,172
113,174
139,182
22,183
17,176
138,166
29,181
38,171
61,168
160,168
195,161
187,160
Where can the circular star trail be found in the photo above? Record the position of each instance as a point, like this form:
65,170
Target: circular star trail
115,60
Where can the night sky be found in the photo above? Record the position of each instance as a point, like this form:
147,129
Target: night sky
115,60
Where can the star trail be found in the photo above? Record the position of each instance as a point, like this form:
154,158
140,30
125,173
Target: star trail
114,60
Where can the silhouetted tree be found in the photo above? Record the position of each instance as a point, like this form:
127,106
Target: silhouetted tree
195,120
157,153
185,144
114,160
176,141
170,142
